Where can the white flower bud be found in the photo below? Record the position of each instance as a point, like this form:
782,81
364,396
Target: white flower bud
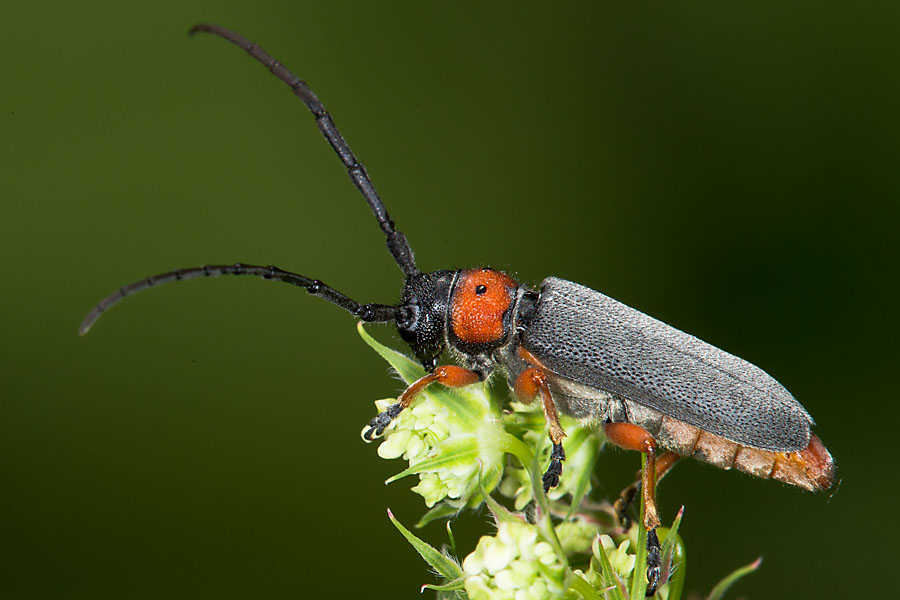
506,565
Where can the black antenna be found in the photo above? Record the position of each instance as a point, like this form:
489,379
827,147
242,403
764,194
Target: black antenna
378,313
396,241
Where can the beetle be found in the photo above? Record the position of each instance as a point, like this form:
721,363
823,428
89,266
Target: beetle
653,388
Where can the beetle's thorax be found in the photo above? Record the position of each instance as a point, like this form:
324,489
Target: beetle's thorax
481,312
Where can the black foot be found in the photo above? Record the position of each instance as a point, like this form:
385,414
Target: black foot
654,561
551,477
382,420
624,501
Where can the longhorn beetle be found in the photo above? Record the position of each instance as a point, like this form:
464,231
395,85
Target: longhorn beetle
655,389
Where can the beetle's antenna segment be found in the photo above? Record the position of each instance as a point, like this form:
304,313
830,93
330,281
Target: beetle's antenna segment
396,241
378,313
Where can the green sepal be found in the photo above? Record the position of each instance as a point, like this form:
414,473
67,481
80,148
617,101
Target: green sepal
438,561
580,438
718,592
673,558
460,449
677,577
452,539
440,511
500,512
453,586
639,576
542,518
613,585
408,369
513,445
581,586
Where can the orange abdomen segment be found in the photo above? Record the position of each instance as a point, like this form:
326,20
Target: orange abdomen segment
811,468
814,465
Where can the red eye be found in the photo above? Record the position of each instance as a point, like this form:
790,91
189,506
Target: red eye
480,290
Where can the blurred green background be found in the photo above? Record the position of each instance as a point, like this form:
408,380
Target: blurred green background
730,168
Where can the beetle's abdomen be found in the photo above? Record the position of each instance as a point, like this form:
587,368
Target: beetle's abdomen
585,336
811,468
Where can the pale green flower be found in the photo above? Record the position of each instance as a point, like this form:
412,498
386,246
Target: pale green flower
514,564
446,447
582,445
621,561
576,536
517,485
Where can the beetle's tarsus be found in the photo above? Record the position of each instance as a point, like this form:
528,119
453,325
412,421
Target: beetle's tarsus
551,477
554,471
381,421
654,561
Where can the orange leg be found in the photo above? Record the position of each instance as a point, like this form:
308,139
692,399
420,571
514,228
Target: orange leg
633,437
529,384
449,376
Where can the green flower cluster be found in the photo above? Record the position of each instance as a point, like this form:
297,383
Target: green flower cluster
619,559
556,545
583,444
452,439
448,450
515,564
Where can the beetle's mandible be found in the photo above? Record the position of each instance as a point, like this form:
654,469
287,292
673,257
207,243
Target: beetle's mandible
652,387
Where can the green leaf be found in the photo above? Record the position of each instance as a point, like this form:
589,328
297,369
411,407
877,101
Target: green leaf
639,578
525,420
673,559
459,401
615,588
513,445
676,578
459,450
438,512
500,512
718,592
535,474
408,369
582,439
579,585
670,535
543,518
438,561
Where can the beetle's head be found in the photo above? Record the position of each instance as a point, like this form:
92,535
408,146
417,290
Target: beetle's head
422,314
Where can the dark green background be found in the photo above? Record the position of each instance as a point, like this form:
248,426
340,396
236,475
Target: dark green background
731,168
